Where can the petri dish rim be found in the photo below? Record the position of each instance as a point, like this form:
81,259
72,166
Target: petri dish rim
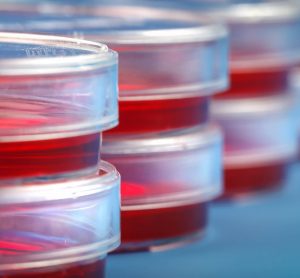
255,107
97,55
266,12
190,139
62,189
202,30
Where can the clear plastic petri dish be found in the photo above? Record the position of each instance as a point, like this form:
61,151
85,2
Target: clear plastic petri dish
56,96
167,181
171,63
264,41
260,138
264,45
60,228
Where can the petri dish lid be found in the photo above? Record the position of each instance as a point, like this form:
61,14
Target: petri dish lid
55,87
59,190
254,107
189,139
124,24
30,54
262,34
163,53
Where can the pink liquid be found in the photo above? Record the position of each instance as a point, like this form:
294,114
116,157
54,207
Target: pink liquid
143,228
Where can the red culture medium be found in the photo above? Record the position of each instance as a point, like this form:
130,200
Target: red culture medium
48,157
146,228
161,115
254,179
33,141
22,244
257,83
254,83
92,270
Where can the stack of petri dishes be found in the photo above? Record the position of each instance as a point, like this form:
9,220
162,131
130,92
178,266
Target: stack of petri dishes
167,149
59,204
257,113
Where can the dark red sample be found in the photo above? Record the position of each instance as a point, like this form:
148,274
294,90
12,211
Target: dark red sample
145,228
48,157
18,244
257,83
252,83
157,225
254,180
161,115
91,270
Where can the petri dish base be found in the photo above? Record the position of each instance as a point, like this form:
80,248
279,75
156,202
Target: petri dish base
167,180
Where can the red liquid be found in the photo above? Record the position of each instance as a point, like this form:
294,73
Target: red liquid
48,157
163,223
246,181
257,83
145,228
22,116
17,244
92,270
161,115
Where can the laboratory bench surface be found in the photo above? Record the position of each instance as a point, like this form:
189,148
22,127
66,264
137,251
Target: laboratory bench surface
257,237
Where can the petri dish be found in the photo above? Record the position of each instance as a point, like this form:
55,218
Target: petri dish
57,96
264,45
166,184
171,63
260,141
60,228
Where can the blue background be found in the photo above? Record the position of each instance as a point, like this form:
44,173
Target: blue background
259,237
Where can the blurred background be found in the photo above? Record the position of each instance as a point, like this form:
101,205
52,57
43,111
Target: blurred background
253,226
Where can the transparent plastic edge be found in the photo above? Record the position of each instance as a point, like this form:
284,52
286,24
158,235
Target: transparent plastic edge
68,189
193,139
100,55
254,107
